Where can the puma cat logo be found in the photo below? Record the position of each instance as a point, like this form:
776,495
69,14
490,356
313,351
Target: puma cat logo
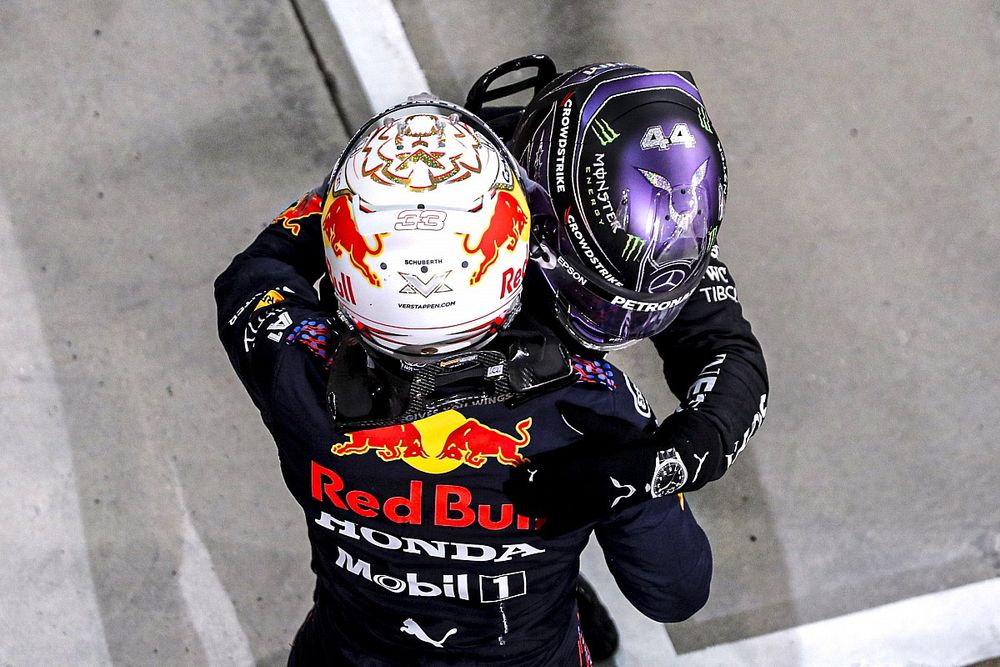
411,627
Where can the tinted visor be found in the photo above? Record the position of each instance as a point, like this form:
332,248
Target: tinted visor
601,320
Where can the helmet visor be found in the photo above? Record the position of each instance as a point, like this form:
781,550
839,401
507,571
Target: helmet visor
603,321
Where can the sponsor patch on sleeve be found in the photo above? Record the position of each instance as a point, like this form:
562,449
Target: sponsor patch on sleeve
270,298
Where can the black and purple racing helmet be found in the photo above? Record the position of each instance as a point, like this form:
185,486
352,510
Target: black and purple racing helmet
637,178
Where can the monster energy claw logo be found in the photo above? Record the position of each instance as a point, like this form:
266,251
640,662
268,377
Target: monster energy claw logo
605,133
703,120
711,237
633,247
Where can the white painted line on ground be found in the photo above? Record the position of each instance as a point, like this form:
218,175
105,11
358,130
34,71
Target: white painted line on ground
954,627
211,611
378,48
48,605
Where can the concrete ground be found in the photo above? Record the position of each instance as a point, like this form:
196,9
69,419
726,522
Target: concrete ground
143,144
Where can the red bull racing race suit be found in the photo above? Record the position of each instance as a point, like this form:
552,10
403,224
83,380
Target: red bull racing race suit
420,558
712,361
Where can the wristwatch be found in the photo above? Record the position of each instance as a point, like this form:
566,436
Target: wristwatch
669,474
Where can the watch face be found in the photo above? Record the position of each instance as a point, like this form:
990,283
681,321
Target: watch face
669,474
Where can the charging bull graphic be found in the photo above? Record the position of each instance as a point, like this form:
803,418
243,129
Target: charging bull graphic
440,443
309,204
506,227
474,441
340,234
389,442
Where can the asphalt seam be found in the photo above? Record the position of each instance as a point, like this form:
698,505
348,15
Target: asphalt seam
379,51
328,81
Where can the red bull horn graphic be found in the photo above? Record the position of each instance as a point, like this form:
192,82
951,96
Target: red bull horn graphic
508,225
340,234
309,204
440,443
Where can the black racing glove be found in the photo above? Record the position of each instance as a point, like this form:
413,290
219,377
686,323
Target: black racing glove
613,466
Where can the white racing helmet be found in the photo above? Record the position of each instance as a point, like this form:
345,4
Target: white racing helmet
426,229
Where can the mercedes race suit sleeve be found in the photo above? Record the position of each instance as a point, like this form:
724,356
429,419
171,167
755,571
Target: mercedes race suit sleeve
714,364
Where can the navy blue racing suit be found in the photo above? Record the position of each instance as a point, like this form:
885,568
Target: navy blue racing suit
420,559
712,361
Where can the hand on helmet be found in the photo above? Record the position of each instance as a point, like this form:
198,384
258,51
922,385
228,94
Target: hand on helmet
611,467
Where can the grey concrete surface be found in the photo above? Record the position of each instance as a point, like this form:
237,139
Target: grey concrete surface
145,143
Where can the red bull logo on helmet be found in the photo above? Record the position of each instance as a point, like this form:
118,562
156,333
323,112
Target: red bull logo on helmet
508,226
341,235
440,443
